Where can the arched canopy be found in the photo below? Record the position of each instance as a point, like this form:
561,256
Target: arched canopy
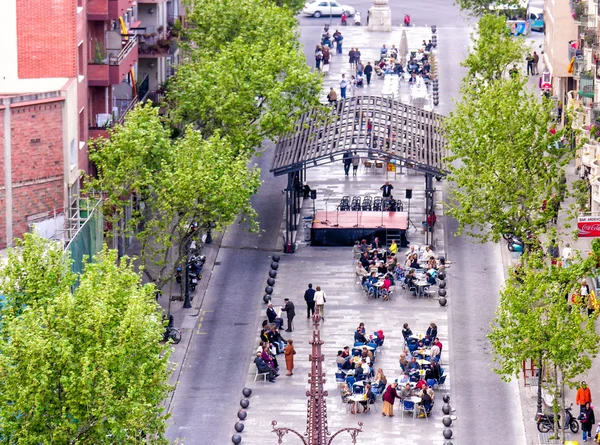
366,124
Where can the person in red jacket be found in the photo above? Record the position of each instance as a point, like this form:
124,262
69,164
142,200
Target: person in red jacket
583,396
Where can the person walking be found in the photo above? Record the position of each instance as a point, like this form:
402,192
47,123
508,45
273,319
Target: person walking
343,85
583,396
290,311
309,297
347,161
332,98
320,301
318,57
588,420
355,163
351,58
368,72
289,353
389,397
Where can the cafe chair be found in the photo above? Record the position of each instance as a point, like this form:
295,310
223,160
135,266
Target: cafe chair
408,407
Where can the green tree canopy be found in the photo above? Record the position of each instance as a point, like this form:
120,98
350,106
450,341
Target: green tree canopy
494,50
247,78
175,182
82,367
505,161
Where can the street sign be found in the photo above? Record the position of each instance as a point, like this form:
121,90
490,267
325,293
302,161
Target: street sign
588,226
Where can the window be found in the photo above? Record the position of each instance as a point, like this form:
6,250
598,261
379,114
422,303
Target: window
80,61
73,155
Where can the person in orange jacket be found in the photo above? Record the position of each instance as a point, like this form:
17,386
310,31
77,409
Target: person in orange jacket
584,395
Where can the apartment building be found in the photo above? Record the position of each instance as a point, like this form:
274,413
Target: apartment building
71,70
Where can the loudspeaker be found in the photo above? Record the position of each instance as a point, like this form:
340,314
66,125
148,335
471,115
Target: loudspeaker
408,193
313,194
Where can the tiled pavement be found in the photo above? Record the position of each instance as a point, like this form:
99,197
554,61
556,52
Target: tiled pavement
369,44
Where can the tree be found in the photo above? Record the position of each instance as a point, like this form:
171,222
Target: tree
505,162
86,366
478,8
535,320
176,183
494,50
247,78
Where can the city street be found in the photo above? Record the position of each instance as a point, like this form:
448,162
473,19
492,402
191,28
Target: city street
218,361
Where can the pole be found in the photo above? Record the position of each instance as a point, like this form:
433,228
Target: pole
187,304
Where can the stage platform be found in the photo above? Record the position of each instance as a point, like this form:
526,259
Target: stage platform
344,228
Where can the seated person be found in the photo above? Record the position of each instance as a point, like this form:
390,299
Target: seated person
403,362
406,392
412,366
359,337
346,352
428,253
370,398
431,278
263,367
361,272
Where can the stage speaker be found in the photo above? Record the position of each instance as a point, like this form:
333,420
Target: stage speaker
408,193
313,194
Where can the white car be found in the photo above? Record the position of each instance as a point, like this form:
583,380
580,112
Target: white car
318,8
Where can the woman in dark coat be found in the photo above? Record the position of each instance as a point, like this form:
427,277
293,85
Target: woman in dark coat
587,421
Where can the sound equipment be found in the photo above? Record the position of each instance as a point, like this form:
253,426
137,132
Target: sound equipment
408,193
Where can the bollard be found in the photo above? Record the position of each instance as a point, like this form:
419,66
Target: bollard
247,392
244,403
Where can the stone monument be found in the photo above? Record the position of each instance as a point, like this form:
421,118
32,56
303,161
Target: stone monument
380,16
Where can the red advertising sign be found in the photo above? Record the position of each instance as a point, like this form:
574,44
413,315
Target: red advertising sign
588,226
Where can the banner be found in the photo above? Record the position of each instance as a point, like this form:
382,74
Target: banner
588,226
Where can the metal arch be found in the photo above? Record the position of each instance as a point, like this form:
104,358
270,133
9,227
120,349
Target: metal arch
282,431
397,131
352,431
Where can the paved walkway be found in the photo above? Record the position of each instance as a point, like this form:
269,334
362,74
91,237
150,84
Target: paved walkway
369,44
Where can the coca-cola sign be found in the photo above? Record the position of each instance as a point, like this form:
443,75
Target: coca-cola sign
588,226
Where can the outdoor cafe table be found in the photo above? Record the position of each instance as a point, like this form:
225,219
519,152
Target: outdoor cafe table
356,399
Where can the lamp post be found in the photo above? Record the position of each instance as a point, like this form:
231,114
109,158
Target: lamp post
317,431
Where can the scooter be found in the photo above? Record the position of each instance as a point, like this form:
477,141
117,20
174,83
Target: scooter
357,19
344,18
545,422
406,20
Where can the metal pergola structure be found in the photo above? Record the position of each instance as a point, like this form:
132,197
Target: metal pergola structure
372,126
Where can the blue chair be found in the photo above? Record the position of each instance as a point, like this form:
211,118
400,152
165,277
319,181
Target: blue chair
407,407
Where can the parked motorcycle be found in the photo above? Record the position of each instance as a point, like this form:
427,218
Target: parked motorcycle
545,422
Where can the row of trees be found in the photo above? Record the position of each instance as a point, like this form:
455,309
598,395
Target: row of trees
244,80
507,161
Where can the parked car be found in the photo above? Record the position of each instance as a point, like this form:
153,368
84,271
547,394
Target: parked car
318,8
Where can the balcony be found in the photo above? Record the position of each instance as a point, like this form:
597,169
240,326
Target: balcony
110,67
103,10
